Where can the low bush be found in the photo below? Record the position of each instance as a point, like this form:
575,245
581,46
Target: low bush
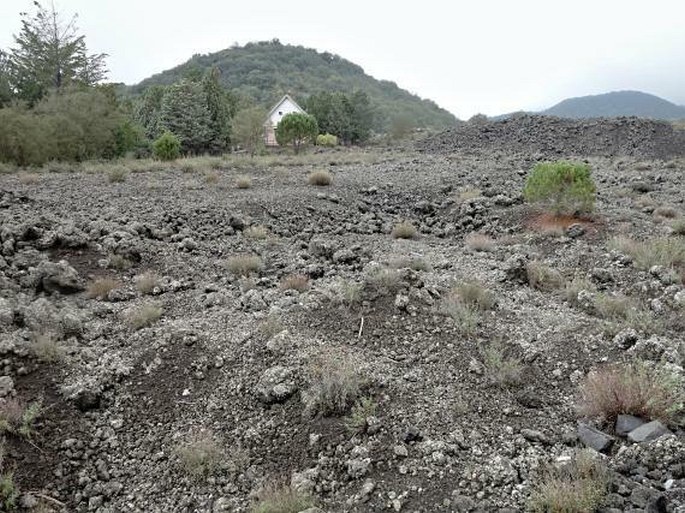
678,227
118,262
18,418
145,316
384,281
244,265
502,370
465,317
327,140
565,187
243,182
637,388
270,326
201,456
476,295
117,174
28,178
298,282
100,288
46,348
320,178
211,177
578,486
335,385
357,419
167,147
147,282
256,232
543,277
575,287
403,230
666,212
479,242
282,499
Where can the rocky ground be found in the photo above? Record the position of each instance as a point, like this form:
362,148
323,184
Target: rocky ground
432,412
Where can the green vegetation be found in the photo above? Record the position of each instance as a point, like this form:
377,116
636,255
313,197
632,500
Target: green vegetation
200,457
565,187
320,178
167,147
248,129
304,72
349,117
296,129
335,386
669,252
326,140
281,500
18,419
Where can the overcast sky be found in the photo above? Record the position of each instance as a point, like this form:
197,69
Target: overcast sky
483,56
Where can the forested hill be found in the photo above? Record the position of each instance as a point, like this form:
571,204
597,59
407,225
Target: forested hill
265,71
617,103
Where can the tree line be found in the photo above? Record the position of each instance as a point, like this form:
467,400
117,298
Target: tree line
54,106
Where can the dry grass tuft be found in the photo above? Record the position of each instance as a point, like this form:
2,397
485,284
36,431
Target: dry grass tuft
543,277
479,242
200,456
28,178
384,281
678,227
465,316
639,389
579,486
211,177
414,263
270,326
243,182
298,282
256,232
281,499
575,287
244,265
320,178
666,212
117,174
46,348
18,418
503,371
475,295
335,385
146,283
669,252
100,288
145,316
404,230
119,263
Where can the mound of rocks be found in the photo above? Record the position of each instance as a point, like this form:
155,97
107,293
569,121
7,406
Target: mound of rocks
552,136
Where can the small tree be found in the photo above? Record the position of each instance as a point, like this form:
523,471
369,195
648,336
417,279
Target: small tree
167,147
296,129
184,112
566,187
248,129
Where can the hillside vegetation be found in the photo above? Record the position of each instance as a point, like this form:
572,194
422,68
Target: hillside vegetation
264,71
615,104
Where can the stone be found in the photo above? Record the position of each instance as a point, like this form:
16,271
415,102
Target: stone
59,277
276,385
533,435
412,434
400,451
649,431
6,386
594,438
358,467
575,230
627,423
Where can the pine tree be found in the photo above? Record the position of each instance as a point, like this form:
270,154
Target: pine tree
184,113
219,106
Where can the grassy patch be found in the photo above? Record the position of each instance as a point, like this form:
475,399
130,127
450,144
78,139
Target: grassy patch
362,410
18,418
578,486
298,282
637,388
665,251
244,265
243,182
256,232
147,282
403,230
543,277
270,326
26,178
502,370
384,281
465,317
117,174
46,348
474,294
666,212
678,227
335,385
575,287
414,263
211,177
145,315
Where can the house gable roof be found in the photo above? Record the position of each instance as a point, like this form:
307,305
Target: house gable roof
280,102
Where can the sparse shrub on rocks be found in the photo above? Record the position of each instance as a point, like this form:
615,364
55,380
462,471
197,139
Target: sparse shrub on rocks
211,177
335,385
270,326
404,230
362,410
167,147
281,499
637,388
413,263
543,277
200,456
350,293
118,262
117,174
46,348
244,265
320,178
476,295
256,232
465,316
145,316
666,212
566,188
9,492
479,242
502,370
19,419
575,287
147,282
243,182
298,282
384,281
666,251
100,288
578,486
678,227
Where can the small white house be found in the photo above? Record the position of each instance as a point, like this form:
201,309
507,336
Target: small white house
286,105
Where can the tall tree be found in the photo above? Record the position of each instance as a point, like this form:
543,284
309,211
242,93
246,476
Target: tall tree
248,128
6,92
220,110
349,117
184,113
50,54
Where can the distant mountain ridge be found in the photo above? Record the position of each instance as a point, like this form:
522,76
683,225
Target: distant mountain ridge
615,104
265,71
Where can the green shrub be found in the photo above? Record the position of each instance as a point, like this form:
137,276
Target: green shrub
167,147
327,140
282,499
565,187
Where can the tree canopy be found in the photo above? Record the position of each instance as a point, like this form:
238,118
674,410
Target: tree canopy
347,116
296,129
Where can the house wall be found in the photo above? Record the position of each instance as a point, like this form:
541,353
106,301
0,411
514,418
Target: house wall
286,107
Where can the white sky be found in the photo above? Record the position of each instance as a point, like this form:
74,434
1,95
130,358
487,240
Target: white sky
489,56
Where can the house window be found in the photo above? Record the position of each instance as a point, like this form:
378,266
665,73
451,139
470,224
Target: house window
280,113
